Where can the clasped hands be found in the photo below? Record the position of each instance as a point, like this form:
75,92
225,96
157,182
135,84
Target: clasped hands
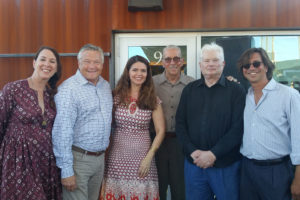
203,159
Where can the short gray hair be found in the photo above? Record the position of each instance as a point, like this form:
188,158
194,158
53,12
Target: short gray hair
91,47
213,47
172,47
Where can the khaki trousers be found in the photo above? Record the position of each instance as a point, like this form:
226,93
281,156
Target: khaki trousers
89,173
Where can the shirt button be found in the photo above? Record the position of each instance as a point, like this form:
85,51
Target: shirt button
172,117
171,96
172,106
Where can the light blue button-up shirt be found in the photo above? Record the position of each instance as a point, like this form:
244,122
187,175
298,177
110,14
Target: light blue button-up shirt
83,119
272,127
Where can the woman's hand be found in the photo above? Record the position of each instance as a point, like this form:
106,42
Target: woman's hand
159,123
145,166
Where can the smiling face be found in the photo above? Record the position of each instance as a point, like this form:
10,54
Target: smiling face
256,75
45,65
90,65
138,73
172,62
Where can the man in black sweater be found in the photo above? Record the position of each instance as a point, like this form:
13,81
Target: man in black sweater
209,124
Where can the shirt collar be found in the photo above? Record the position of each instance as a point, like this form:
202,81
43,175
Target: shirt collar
162,78
221,81
271,85
82,80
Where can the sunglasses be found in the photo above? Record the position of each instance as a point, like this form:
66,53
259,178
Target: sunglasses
176,59
255,64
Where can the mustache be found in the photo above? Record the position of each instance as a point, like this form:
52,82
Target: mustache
173,66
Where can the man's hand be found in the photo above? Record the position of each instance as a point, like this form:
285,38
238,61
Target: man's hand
203,159
231,78
295,187
69,183
195,154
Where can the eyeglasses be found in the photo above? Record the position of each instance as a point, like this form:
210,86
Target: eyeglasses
176,59
255,64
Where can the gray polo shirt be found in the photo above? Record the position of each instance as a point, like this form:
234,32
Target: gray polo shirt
170,95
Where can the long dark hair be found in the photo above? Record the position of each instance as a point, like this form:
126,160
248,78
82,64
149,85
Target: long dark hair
147,98
51,86
245,57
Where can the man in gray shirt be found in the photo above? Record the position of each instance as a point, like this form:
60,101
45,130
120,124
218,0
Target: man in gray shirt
170,158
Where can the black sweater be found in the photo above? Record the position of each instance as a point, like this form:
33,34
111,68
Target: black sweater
211,119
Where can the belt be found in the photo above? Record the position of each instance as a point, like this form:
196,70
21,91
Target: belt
271,161
80,150
170,134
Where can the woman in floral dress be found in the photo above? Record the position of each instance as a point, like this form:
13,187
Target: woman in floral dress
27,110
130,171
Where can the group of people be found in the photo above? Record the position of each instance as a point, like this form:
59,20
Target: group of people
211,139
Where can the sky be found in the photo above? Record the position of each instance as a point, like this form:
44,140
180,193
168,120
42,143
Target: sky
136,51
285,47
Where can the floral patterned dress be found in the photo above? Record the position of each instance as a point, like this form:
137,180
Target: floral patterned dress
27,163
129,146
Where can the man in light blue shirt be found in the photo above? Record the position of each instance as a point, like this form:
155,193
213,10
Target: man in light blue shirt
271,140
82,126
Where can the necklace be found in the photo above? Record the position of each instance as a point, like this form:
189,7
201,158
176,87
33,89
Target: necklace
44,122
41,104
132,107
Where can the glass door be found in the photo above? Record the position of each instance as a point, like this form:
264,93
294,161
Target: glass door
150,46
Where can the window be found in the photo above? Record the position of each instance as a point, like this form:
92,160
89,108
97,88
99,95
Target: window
154,55
150,46
283,48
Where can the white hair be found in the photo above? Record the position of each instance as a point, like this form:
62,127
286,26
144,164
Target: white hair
90,47
213,47
172,47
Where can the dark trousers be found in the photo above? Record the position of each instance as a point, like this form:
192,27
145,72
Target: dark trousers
170,162
270,182
205,184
